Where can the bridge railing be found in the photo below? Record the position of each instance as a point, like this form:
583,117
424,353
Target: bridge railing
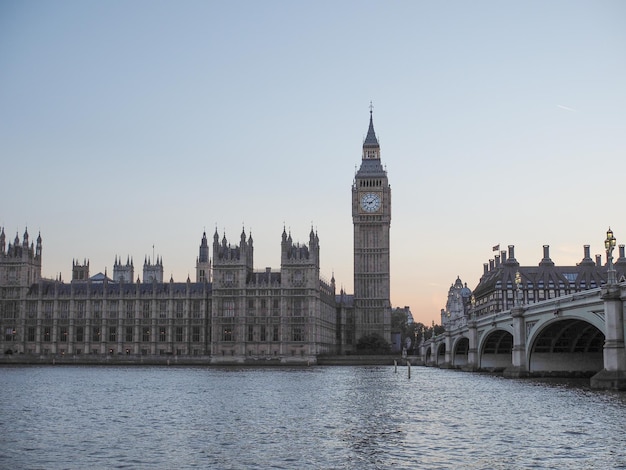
554,305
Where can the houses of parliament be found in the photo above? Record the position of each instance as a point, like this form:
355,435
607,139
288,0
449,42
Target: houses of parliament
230,313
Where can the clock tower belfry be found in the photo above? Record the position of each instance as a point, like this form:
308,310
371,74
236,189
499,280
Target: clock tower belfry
371,218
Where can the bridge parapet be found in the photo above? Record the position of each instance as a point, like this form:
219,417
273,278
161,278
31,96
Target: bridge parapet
594,316
613,376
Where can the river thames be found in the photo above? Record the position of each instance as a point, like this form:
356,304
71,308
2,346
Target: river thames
71,417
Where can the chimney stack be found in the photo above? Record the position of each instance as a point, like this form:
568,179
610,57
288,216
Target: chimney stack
587,261
546,261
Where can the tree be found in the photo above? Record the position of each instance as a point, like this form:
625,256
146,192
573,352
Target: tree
439,329
399,321
416,332
372,344
433,330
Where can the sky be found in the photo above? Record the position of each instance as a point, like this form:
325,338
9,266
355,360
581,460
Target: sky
130,128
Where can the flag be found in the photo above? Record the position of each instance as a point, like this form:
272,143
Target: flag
496,248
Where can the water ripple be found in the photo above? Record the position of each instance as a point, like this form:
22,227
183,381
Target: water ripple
342,418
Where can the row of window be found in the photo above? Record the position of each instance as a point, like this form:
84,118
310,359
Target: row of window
500,300
297,334
108,334
113,307
371,183
295,308
553,285
127,351
113,334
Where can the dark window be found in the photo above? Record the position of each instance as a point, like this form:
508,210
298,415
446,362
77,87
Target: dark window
195,334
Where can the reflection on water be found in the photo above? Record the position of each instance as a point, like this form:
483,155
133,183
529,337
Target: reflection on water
317,417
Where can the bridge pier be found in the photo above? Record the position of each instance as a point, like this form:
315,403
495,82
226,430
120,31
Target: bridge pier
447,353
613,376
518,359
472,352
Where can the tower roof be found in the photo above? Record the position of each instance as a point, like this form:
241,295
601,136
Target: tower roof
370,139
370,164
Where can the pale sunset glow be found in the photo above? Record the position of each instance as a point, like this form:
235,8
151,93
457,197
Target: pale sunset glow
130,128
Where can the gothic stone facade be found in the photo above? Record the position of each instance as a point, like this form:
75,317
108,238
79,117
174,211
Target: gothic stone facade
230,313
242,315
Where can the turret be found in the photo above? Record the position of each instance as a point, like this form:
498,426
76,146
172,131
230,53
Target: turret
38,248
203,262
153,272
20,259
123,272
232,264
80,272
204,249
299,263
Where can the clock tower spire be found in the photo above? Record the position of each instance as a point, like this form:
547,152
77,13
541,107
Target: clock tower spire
371,218
371,149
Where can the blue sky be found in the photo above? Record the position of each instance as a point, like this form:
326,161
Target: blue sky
125,125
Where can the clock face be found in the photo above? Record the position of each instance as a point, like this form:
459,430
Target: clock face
370,202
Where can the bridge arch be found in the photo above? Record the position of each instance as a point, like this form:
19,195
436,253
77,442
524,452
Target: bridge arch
460,350
441,354
496,350
429,355
566,345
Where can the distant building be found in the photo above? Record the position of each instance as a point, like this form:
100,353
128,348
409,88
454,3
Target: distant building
243,313
503,276
457,305
231,312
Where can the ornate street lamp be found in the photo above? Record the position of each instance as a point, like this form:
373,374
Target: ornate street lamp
609,245
518,288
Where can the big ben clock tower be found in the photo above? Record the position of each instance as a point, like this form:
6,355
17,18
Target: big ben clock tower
371,217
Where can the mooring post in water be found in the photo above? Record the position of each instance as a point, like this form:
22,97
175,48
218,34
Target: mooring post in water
395,366
408,365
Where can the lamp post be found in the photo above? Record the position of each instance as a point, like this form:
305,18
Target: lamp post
518,288
609,245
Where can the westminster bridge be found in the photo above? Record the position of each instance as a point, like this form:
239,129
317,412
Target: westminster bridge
579,334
